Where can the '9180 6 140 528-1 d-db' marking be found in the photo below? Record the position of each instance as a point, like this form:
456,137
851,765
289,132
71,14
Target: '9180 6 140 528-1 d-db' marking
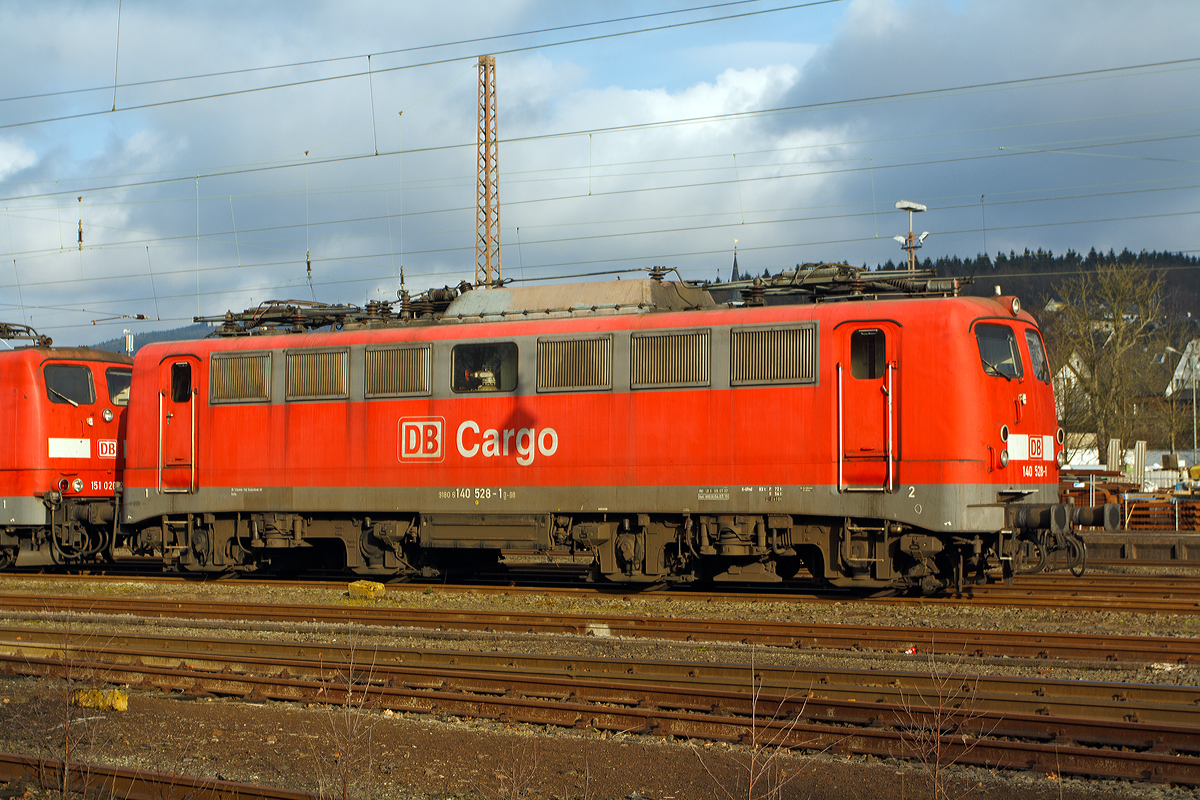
477,493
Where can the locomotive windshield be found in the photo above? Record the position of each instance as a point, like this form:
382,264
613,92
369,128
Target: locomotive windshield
1037,356
998,351
70,383
118,385
484,367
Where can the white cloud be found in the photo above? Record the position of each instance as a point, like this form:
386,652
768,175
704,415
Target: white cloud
14,157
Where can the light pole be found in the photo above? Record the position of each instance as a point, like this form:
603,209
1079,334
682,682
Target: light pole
911,243
1172,387
1191,357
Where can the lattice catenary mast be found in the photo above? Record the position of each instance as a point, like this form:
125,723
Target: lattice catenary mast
487,213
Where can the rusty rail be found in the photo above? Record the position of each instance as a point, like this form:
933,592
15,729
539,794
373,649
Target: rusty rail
40,652
958,642
946,713
97,780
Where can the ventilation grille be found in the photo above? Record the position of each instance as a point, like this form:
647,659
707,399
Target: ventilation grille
575,364
395,371
316,376
782,355
673,359
240,378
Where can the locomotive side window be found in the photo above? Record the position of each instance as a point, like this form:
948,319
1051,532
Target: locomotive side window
1037,356
70,384
678,358
397,371
776,355
317,375
868,354
488,367
240,378
574,364
118,385
181,382
998,351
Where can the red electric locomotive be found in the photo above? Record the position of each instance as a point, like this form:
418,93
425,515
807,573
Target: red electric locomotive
904,437
62,413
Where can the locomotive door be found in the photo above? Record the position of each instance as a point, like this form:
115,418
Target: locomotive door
867,409
177,398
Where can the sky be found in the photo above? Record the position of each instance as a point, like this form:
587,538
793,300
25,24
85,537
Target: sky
212,152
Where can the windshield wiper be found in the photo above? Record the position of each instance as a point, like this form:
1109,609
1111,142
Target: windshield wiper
995,370
63,396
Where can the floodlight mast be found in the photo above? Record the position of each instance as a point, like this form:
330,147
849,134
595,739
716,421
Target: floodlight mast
911,243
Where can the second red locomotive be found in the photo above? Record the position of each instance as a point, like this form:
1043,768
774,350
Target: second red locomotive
61,450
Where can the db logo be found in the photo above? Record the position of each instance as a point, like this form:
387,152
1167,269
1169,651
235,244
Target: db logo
106,448
421,438
1035,448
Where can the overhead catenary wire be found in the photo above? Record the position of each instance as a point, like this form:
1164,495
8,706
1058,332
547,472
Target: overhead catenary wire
649,256
647,260
429,63
413,49
214,236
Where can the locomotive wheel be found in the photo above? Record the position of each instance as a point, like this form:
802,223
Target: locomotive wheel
8,557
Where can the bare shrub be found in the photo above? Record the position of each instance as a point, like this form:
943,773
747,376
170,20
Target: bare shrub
518,776
345,762
759,766
940,725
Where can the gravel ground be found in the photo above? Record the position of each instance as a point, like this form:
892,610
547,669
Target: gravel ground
383,755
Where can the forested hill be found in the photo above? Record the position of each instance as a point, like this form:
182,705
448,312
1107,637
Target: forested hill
1033,276
173,335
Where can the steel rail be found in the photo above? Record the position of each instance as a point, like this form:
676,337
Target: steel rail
98,780
1145,593
1126,750
945,641
1150,703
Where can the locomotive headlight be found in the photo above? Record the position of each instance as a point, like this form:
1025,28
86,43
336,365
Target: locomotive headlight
1016,307
77,485
108,415
1004,457
1004,433
1060,436
63,485
1061,458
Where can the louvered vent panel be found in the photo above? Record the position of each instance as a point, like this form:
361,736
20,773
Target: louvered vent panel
240,378
787,355
674,359
397,371
312,376
575,364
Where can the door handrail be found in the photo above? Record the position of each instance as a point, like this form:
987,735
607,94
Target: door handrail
888,487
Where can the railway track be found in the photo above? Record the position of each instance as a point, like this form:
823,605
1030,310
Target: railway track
1132,593
946,641
1096,729
98,780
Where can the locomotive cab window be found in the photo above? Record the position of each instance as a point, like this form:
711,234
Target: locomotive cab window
868,349
181,382
490,367
118,385
1037,356
70,384
998,351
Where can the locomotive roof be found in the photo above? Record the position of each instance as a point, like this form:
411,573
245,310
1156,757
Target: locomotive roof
38,353
464,303
570,299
